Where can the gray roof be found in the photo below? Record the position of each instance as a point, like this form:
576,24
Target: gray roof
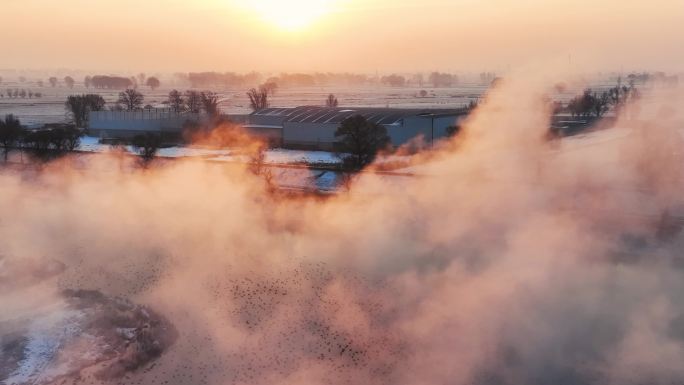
328,115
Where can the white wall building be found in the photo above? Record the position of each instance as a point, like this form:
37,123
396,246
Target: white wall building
314,127
126,124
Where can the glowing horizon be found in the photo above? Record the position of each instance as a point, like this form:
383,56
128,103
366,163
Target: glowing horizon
292,16
340,35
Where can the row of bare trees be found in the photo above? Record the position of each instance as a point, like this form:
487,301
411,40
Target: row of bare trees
259,97
78,106
131,99
102,82
596,104
17,93
437,79
121,82
53,140
194,102
231,79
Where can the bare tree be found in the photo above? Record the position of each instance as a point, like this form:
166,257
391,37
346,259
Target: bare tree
601,104
331,101
78,107
259,167
147,146
111,82
10,132
193,101
394,80
210,103
439,79
258,99
152,82
590,103
360,141
270,86
176,101
69,81
131,100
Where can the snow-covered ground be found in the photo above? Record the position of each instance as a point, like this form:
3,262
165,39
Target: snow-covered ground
46,335
50,107
273,156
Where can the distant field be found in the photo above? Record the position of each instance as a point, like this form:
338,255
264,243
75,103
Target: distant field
50,108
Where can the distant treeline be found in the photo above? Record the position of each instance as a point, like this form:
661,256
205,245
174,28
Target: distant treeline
657,77
231,79
109,82
17,93
209,79
319,79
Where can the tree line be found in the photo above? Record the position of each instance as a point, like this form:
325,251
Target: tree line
49,142
21,93
259,97
595,104
194,102
55,140
231,79
121,82
78,107
100,82
436,79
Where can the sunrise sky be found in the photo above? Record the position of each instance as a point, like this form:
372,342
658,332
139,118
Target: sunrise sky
340,35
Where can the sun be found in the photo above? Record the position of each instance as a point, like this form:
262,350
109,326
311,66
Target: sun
291,15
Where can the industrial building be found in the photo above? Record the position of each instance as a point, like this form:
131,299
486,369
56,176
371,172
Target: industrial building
306,127
313,127
126,124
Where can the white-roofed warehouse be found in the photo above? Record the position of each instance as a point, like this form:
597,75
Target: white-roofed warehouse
314,127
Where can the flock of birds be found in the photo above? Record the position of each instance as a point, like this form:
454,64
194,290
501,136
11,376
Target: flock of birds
126,277
292,321
284,322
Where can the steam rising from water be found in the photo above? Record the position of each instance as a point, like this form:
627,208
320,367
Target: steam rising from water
511,260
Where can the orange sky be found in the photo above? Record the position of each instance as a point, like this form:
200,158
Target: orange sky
351,35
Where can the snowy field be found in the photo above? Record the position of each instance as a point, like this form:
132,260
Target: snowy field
50,108
279,160
273,156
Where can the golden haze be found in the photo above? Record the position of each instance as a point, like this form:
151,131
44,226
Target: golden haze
349,35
